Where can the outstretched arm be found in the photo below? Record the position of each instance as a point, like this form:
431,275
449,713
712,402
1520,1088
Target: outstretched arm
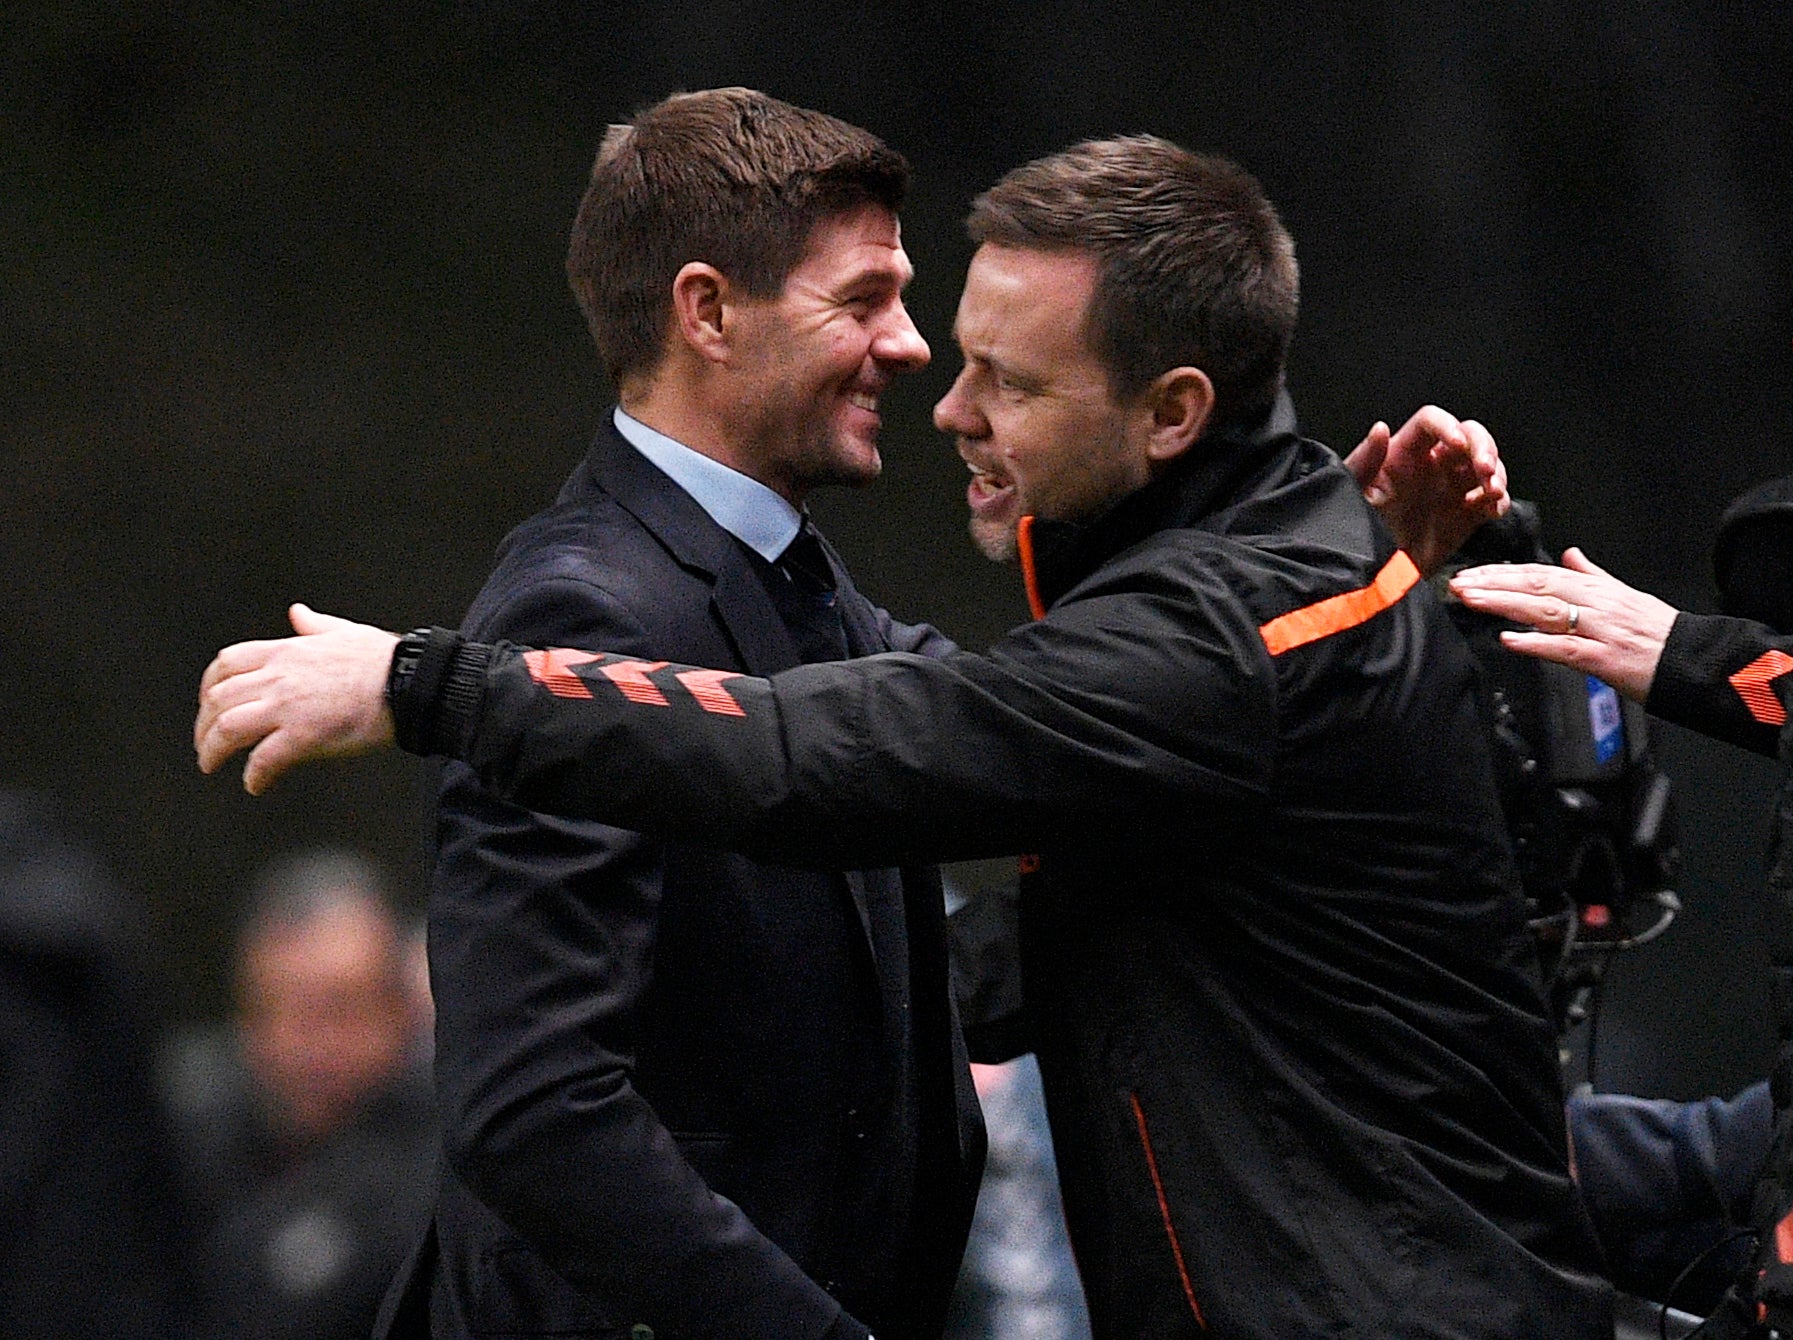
869,762
1579,614
1728,678
1434,481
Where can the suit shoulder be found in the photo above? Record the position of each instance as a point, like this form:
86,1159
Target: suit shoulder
582,570
591,529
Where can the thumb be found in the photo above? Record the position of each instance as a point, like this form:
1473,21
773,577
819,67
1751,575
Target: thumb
266,763
306,620
1365,461
1574,558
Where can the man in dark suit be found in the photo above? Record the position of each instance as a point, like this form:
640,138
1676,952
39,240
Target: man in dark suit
685,1093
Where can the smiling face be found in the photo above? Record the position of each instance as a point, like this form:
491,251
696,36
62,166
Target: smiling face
813,360
1031,411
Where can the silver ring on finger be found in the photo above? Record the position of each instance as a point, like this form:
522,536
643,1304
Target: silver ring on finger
1574,618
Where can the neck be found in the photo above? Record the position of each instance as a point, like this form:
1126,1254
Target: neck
692,416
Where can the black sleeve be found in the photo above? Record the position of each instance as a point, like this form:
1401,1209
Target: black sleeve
1725,678
892,758
542,945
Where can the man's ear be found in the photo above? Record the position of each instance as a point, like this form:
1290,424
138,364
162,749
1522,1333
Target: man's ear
699,296
1182,402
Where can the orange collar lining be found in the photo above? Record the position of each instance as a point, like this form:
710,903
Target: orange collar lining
1030,577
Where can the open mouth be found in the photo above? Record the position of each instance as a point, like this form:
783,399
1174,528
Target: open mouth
987,491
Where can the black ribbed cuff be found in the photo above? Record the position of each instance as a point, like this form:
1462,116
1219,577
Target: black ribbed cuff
435,688
1693,688
1691,662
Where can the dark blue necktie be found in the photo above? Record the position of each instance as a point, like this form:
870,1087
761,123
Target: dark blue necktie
809,602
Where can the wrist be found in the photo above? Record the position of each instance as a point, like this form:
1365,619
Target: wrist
433,690
407,652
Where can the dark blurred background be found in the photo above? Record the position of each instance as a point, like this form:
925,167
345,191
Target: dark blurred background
282,316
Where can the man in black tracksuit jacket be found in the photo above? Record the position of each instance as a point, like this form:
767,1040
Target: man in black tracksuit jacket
1299,1073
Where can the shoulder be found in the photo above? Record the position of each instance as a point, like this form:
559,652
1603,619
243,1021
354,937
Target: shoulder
583,568
1246,580
1309,538
1297,596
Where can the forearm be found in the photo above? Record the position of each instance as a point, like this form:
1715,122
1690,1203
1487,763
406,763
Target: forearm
1666,1181
879,761
595,1183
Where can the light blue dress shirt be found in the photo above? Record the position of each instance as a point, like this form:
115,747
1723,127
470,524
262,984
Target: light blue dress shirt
745,508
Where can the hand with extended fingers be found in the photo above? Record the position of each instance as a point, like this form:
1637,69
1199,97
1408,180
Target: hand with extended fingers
1434,481
1579,615
289,700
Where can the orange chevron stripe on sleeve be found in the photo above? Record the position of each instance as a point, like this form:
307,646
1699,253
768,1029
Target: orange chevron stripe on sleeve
553,670
1335,614
1752,685
631,677
705,688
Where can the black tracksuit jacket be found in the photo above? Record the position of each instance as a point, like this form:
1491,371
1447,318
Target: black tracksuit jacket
1274,953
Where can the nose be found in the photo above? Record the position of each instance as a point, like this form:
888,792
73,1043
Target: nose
899,344
956,413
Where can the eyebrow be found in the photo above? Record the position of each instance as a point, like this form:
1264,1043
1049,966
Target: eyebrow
1027,381
877,276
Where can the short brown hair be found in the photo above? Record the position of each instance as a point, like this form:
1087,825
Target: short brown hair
727,176
1193,266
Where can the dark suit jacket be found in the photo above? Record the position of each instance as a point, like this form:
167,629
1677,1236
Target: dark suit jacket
680,1090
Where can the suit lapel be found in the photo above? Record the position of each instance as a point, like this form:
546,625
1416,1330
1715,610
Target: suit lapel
696,542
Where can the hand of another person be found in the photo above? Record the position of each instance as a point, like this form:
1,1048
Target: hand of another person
1434,482
319,695
1581,615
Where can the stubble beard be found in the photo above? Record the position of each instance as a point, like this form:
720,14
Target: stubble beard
829,460
996,541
